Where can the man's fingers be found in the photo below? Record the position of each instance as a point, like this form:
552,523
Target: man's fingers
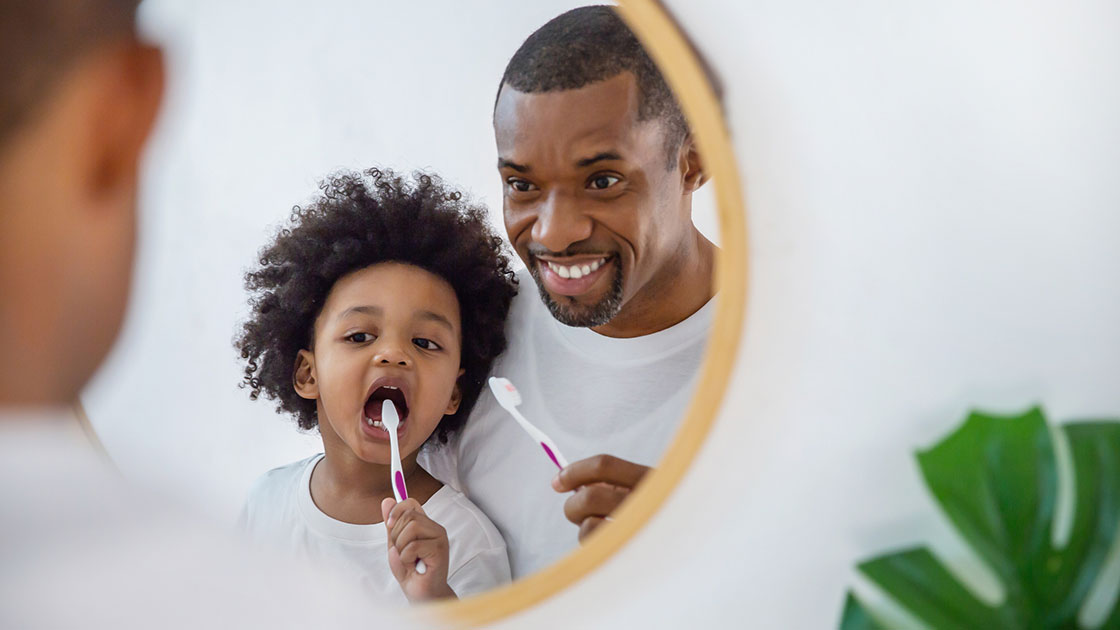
588,525
594,500
599,469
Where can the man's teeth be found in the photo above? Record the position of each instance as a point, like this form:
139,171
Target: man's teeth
575,271
374,423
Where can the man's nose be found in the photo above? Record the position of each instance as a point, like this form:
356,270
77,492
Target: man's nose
561,223
391,352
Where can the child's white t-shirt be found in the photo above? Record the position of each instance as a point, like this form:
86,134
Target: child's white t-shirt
280,513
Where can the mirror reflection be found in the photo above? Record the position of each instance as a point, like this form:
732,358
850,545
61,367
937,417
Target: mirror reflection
501,245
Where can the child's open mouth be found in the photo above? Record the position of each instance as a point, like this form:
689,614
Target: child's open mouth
385,389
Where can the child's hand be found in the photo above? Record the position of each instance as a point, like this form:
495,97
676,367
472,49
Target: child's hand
413,536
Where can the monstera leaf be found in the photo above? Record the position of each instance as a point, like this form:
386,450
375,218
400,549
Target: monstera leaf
997,480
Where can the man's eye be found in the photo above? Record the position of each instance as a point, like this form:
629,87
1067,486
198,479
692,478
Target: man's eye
602,182
519,185
359,337
426,344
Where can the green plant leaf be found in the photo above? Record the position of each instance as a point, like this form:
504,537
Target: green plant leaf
1070,572
996,479
856,616
1113,620
919,582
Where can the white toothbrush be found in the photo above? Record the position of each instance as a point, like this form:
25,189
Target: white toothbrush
391,420
509,398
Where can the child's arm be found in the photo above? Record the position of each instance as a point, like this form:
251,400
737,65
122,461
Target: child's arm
413,536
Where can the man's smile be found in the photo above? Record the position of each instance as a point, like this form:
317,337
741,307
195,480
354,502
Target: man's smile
574,276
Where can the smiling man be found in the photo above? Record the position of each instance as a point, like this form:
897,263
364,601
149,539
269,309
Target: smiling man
598,169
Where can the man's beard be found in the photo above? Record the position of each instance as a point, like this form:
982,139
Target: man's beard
571,313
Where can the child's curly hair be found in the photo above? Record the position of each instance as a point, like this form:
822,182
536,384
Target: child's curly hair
361,220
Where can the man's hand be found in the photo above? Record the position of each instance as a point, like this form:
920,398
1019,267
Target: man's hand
600,484
413,536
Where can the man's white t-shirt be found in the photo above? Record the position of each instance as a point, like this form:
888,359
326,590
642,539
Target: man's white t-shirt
280,513
591,394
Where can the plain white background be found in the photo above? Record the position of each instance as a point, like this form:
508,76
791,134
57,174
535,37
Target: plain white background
934,214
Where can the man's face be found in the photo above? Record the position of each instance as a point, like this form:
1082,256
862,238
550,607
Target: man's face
590,204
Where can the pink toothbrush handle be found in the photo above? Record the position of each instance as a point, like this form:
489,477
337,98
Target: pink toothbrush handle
402,491
551,455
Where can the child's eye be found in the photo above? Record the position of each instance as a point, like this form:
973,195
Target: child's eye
602,182
426,344
359,337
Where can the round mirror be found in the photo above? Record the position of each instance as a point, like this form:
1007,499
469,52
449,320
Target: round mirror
263,107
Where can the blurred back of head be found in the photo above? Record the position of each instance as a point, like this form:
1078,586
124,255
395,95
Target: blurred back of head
78,97
40,39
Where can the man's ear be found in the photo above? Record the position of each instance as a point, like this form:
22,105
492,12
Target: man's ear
127,100
303,377
693,174
456,396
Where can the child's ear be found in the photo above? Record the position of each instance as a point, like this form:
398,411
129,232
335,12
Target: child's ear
303,377
456,396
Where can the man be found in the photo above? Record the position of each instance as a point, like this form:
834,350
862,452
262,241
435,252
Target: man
598,169
78,97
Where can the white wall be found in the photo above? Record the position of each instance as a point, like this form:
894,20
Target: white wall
934,214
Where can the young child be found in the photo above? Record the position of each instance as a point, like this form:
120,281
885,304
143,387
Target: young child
383,289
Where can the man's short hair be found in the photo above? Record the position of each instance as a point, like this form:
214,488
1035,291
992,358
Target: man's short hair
41,39
592,44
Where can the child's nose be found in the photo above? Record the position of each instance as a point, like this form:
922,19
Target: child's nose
391,354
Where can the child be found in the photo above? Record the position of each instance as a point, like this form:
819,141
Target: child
383,289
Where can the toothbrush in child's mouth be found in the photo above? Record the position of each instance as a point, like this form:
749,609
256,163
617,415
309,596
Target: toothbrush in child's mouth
509,398
391,421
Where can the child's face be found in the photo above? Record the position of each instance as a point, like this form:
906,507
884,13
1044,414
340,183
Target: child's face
389,331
